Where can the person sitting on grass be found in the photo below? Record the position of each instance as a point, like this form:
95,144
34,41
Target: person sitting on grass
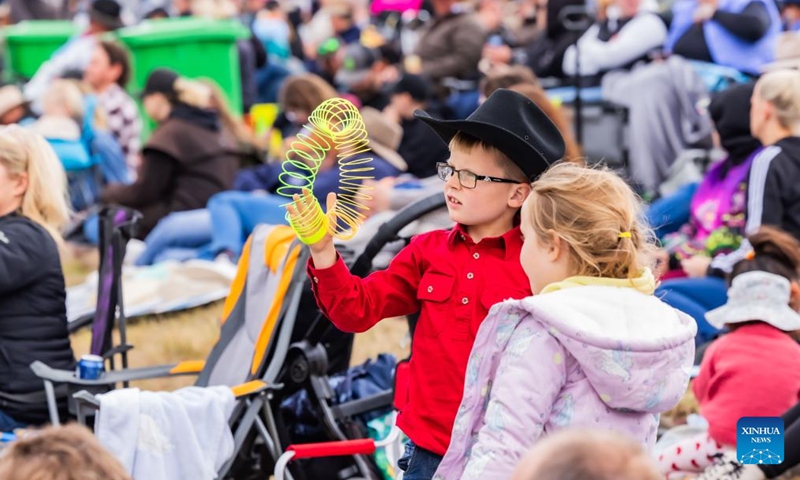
761,312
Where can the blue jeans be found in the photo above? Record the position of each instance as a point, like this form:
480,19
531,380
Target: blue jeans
178,236
234,215
418,463
669,214
7,423
224,226
695,297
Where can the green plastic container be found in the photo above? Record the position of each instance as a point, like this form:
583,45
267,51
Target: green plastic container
30,43
193,47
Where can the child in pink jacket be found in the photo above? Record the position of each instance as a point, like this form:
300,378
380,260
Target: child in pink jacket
593,348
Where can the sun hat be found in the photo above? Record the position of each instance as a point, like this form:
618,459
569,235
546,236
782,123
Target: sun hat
757,296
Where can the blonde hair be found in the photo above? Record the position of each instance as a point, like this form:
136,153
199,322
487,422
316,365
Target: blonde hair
66,94
781,89
59,453
465,142
46,200
194,93
587,454
598,216
231,122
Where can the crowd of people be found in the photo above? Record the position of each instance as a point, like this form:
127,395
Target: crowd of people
555,304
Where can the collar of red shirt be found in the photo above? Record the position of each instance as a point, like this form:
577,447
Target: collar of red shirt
510,242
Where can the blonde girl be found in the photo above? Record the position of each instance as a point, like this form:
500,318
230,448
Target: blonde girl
593,348
33,323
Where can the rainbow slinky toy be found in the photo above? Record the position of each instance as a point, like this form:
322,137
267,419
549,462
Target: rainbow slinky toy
335,123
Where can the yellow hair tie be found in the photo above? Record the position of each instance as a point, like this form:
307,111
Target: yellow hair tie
625,235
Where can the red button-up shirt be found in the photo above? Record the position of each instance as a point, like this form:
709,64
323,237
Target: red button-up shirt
453,283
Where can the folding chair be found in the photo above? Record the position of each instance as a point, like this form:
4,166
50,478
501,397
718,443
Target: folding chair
117,226
258,318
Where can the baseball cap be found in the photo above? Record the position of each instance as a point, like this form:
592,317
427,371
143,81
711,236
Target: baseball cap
413,85
160,80
356,64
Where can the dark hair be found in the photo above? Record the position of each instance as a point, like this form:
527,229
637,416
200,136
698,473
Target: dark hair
158,12
774,251
117,55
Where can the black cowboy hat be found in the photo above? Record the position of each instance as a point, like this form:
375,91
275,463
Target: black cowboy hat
513,124
106,13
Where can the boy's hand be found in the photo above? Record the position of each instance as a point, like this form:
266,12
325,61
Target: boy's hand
322,250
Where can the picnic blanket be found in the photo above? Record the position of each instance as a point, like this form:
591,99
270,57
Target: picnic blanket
162,288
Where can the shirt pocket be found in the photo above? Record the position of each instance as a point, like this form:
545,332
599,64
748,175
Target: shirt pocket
434,293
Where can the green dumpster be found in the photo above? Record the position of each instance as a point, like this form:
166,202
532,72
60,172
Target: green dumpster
31,43
193,47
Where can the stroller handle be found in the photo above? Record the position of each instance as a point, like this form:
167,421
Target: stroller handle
364,446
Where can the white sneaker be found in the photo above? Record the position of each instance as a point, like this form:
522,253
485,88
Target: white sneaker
726,467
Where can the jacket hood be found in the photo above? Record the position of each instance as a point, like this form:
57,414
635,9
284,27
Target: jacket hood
620,336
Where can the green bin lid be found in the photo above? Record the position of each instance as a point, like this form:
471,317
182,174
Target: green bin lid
181,30
40,30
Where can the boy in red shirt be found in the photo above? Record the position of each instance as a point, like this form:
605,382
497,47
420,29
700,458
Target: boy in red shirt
451,277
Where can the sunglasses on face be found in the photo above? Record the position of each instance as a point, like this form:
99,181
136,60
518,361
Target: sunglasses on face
466,178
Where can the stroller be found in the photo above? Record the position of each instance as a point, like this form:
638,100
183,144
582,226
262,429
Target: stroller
341,450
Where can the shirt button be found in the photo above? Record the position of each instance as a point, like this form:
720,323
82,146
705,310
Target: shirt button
463,237
465,300
476,255
430,289
316,280
470,276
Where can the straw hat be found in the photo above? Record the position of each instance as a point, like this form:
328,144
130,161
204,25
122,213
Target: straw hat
11,97
757,296
787,52
384,137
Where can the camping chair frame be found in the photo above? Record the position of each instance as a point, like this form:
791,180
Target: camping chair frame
252,415
307,364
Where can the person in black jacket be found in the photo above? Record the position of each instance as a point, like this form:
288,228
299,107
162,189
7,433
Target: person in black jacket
33,315
773,192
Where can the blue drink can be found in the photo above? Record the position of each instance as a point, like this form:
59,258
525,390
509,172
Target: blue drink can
90,367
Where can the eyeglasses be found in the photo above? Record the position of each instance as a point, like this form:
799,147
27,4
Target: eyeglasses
466,178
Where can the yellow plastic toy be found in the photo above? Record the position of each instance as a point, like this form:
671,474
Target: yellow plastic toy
335,123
